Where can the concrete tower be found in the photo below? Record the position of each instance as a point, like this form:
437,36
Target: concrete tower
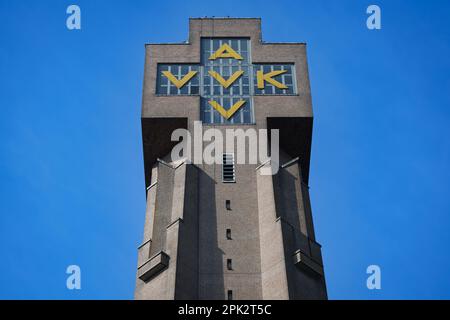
226,231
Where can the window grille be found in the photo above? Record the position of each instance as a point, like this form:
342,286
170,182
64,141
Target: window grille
228,169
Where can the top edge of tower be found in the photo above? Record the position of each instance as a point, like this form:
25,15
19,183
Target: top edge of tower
252,26
224,18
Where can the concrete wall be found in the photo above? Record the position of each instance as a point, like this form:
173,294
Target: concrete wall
270,216
244,247
291,207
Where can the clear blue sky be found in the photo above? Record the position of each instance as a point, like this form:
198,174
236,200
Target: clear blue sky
71,169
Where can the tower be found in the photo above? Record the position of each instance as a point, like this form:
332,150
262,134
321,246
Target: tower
225,230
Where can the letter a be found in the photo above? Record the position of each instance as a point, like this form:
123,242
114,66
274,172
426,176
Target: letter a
374,280
225,51
74,280
374,21
74,20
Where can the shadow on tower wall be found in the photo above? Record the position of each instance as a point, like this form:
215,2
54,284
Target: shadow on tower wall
211,278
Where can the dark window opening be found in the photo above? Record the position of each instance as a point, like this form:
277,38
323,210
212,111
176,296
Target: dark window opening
229,234
228,204
229,264
230,294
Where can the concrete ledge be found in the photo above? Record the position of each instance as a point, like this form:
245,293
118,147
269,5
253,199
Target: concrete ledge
153,266
302,261
144,243
175,221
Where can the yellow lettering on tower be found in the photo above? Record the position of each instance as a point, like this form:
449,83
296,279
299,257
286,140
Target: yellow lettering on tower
179,83
225,51
222,81
226,113
261,77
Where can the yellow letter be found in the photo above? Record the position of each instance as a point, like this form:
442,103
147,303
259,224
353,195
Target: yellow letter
225,51
226,113
222,81
261,77
179,83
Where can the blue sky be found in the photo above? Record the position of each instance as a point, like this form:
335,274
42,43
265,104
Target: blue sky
71,169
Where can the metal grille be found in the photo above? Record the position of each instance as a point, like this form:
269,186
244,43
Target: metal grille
228,170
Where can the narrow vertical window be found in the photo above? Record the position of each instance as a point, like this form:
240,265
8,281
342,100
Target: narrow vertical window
230,294
229,234
228,204
229,264
228,170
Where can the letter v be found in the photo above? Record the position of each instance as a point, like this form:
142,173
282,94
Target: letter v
226,113
179,83
222,81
